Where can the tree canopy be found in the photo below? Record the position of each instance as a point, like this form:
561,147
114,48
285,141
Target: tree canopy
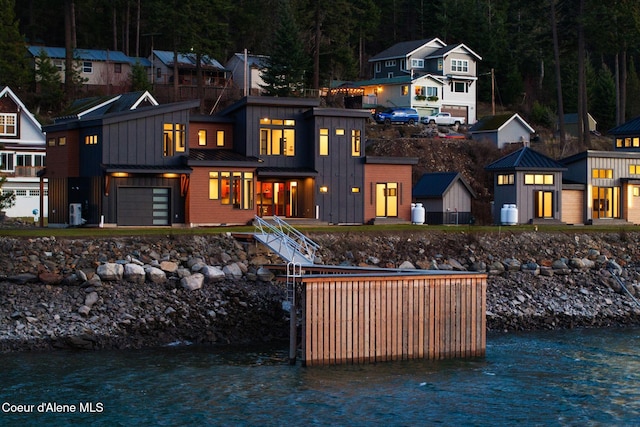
335,38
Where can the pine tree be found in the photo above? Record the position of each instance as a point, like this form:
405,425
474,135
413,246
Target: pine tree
288,63
14,67
7,198
50,90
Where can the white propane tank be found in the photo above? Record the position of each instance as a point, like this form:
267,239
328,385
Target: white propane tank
509,214
417,214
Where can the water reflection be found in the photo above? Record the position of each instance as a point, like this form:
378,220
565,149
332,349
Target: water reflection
585,377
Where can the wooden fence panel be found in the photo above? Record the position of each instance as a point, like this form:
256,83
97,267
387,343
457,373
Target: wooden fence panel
354,319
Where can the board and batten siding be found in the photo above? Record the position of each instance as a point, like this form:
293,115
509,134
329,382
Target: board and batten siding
379,318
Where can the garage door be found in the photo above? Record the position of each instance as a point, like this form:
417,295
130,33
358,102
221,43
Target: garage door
143,206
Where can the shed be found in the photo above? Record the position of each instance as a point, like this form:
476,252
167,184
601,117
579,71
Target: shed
502,130
446,197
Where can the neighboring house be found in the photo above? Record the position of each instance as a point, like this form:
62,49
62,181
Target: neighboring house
246,71
446,197
502,130
22,157
571,124
127,162
532,182
427,75
107,70
118,160
213,73
603,187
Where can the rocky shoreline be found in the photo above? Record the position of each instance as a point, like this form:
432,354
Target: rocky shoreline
134,292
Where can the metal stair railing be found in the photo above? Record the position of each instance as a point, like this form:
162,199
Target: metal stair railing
291,241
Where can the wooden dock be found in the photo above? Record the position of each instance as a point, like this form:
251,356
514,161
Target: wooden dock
375,315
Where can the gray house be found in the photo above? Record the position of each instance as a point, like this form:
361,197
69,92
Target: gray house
446,197
532,182
502,130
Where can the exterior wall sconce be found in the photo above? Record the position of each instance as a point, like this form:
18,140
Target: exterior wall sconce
324,189
120,174
169,175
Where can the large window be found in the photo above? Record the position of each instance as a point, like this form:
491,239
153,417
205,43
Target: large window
606,202
538,179
232,188
277,137
174,139
460,65
628,142
8,124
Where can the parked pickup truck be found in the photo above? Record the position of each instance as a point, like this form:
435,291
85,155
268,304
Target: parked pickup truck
444,119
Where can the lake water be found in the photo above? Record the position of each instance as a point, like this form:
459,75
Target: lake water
558,378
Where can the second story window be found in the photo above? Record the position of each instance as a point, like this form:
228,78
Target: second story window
355,142
174,140
117,68
602,173
202,137
87,67
417,63
323,143
8,124
220,138
459,65
91,140
390,63
277,137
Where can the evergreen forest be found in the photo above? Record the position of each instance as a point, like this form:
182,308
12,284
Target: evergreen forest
549,57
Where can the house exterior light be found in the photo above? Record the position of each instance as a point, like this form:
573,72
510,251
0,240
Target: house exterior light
324,189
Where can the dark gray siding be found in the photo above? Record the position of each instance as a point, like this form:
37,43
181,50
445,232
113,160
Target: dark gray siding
90,155
138,141
340,171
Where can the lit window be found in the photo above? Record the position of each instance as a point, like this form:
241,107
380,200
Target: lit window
91,140
220,138
355,189
602,173
355,142
51,142
174,138
202,137
404,90
63,140
340,132
214,193
538,179
324,142
277,137
506,179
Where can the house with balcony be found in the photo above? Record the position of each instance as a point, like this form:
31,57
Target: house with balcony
130,161
22,157
102,71
427,75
